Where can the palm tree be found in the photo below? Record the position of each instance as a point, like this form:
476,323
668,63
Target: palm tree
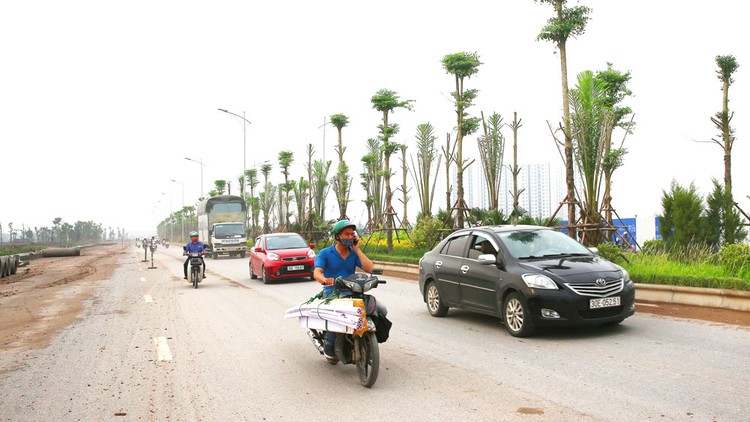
515,170
386,101
462,65
491,149
285,161
421,172
267,196
342,182
567,22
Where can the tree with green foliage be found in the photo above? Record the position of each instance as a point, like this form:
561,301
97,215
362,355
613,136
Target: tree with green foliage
267,197
386,101
721,216
221,187
342,181
404,188
285,161
251,179
727,65
515,170
491,150
681,222
616,90
373,181
567,22
590,123
320,187
427,157
462,65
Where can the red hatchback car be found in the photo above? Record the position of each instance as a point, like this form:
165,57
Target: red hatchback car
281,255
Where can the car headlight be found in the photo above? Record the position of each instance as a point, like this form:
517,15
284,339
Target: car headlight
626,276
311,254
538,281
272,256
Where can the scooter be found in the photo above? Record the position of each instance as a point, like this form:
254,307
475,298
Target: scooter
195,275
360,347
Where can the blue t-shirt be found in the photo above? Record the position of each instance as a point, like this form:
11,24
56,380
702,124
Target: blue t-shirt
194,247
333,265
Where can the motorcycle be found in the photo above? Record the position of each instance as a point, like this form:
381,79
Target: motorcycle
360,347
195,275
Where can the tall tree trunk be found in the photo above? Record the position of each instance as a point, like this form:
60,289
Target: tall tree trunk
388,191
459,156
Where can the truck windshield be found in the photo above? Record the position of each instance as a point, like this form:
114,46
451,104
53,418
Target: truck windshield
229,230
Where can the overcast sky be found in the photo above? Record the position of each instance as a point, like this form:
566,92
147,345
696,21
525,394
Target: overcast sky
101,101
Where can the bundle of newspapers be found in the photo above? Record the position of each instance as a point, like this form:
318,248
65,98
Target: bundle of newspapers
337,315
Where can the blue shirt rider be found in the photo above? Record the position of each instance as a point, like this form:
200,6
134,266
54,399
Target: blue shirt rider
339,260
194,246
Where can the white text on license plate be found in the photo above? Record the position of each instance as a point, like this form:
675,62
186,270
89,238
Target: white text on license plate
295,267
605,302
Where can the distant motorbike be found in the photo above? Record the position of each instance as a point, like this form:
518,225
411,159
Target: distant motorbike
361,347
195,275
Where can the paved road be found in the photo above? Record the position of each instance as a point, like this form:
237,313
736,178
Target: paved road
149,347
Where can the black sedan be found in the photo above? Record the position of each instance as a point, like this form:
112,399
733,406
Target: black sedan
529,276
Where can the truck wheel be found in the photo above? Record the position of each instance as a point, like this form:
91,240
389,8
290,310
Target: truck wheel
243,254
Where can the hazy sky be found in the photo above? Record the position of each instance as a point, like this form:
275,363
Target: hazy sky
100,101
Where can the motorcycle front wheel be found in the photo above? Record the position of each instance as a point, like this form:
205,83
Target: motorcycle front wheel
368,361
196,278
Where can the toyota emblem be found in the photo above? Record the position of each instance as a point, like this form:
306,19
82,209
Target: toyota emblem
601,282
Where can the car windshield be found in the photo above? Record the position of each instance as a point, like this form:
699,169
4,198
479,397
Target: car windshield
229,230
541,244
285,242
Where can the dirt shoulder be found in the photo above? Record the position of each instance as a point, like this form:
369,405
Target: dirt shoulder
48,294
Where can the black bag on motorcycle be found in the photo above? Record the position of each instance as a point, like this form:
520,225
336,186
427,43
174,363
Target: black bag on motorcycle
382,323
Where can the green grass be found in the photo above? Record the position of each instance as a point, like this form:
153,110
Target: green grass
660,269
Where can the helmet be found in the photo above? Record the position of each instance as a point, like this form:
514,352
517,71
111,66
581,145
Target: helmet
341,225
193,233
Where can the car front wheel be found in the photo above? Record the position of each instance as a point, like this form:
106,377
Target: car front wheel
516,316
435,304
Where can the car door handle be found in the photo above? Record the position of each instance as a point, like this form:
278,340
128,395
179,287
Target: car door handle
438,264
464,269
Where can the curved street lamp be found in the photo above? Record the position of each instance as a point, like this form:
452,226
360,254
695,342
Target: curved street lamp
201,163
244,142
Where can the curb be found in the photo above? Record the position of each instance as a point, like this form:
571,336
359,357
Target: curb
737,300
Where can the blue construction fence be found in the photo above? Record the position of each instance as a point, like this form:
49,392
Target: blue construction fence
628,228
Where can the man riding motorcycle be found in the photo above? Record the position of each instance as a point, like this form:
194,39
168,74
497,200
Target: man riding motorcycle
193,246
339,260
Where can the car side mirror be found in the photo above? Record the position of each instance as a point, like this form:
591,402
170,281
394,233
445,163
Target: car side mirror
258,249
377,271
486,259
312,246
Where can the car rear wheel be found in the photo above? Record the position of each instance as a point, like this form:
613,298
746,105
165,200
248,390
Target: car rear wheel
435,304
516,316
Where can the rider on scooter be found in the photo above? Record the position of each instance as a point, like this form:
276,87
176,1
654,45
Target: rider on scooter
339,260
194,246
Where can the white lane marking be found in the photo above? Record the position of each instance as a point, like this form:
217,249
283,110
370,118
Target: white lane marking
162,349
143,278
148,298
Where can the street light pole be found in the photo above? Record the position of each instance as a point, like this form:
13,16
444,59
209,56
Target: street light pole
201,163
244,145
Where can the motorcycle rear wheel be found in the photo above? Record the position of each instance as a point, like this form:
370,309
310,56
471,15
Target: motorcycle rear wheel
368,363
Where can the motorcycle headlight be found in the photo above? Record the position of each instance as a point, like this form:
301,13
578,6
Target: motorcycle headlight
272,256
538,281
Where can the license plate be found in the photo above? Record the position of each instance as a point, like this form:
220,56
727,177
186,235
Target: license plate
606,302
295,267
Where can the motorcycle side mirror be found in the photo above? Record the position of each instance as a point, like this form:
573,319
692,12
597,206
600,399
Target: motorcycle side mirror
377,271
